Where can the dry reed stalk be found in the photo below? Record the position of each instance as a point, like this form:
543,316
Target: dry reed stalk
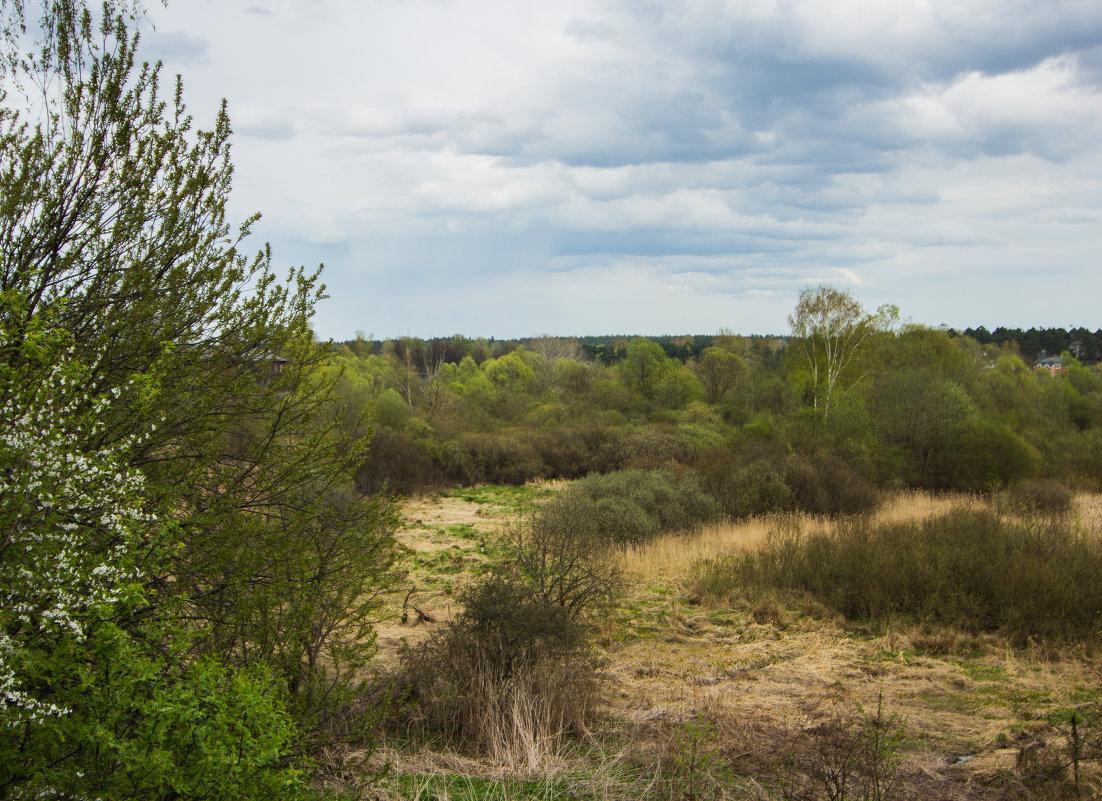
674,556
912,505
1088,510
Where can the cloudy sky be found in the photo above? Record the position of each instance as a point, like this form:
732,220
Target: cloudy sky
512,168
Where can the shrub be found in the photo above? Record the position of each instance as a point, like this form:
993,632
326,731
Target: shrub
1040,496
766,480
979,456
850,756
563,551
390,410
631,505
508,679
575,452
491,459
398,463
654,448
828,486
972,569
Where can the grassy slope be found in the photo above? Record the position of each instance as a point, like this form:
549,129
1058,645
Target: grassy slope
707,702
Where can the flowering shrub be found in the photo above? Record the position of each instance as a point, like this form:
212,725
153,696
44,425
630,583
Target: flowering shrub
97,700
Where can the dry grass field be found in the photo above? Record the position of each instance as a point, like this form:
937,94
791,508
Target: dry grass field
754,700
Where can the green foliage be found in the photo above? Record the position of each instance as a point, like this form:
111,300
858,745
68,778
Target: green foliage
98,697
718,371
398,463
978,456
900,404
645,367
761,478
831,331
192,456
135,723
499,458
973,569
631,505
655,447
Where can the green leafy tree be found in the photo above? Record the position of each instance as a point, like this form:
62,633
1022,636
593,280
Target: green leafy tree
113,226
718,371
644,367
830,328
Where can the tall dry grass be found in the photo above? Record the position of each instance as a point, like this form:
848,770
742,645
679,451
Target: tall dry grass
674,556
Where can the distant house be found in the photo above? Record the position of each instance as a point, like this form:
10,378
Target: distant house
1050,363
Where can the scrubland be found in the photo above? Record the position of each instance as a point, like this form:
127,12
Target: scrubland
761,692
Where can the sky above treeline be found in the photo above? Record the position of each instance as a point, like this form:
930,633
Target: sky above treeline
513,168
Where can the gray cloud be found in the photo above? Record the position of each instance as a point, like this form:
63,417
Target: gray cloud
483,166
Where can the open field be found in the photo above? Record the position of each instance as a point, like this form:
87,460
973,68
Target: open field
737,702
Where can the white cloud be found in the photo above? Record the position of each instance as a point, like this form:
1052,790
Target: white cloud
688,160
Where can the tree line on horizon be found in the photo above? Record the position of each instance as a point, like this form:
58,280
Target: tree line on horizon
1033,344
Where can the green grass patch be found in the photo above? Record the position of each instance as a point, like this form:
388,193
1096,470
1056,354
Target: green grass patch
980,672
505,498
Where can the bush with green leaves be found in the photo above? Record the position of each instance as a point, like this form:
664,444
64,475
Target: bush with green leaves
630,506
507,457
98,697
982,456
183,384
765,479
398,463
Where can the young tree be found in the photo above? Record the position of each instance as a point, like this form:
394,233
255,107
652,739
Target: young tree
718,371
830,327
644,367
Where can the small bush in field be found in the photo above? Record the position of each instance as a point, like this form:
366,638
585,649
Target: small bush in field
575,452
981,456
631,505
654,448
509,678
766,482
507,458
975,570
563,552
828,486
396,462
1040,495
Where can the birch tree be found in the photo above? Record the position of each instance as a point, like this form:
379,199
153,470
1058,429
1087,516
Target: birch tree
830,327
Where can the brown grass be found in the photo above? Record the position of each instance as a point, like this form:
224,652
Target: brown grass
762,679
673,556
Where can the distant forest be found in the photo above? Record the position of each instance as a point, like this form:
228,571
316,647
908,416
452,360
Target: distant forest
849,403
1033,344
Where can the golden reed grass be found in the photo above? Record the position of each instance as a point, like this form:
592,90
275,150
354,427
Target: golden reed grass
673,556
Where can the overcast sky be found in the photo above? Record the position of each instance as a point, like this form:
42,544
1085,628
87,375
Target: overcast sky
513,168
